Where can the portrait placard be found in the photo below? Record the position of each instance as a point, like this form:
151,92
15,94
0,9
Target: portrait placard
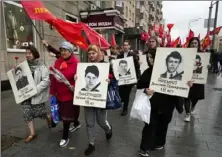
91,85
22,82
124,71
200,70
143,63
173,68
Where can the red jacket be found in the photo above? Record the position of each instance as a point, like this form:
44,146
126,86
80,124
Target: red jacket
60,90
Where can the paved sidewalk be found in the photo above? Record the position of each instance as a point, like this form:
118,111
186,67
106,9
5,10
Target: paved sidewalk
202,137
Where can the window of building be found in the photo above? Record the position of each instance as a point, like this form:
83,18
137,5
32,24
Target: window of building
18,27
130,14
126,12
72,18
138,4
119,3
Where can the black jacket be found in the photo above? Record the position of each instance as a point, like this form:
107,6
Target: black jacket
135,59
161,103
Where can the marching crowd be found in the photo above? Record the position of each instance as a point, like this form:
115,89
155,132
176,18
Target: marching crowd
162,105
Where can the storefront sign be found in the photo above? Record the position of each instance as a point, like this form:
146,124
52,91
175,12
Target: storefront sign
100,24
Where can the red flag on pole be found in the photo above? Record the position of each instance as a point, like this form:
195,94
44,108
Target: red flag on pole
170,26
175,42
113,40
37,11
217,31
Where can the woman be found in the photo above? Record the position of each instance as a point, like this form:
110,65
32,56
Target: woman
162,106
67,65
35,106
76,125
152,44
93,114
197,91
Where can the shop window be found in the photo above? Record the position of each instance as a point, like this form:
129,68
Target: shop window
18,27
72,18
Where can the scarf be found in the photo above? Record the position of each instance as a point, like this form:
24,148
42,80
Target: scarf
33,64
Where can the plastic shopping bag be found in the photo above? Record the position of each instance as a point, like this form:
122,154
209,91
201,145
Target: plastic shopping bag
141,107
54,109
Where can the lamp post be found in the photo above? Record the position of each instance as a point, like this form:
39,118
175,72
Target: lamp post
193,20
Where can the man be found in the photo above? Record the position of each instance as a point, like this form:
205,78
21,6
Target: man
123,68
91,78
125,90
173,61
198,65
21,81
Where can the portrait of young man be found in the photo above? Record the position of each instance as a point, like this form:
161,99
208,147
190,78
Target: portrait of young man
123,68
198,65
91,79
20,79
173,62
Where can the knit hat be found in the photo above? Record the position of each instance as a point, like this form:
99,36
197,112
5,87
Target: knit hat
67,45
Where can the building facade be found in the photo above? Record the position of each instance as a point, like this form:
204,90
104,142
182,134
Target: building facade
17,31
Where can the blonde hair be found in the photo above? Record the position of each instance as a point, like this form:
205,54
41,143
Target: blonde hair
96,49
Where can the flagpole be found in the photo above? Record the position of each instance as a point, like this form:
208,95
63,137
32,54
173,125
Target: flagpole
215,24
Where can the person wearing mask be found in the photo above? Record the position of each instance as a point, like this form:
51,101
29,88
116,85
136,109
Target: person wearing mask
56,53
152,44
162,107
93,114
125,90
67,65
197,91
34,107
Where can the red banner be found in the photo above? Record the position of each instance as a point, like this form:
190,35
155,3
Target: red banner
37,11
217,31
113,40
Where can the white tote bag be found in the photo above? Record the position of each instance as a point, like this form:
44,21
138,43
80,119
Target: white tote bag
141,107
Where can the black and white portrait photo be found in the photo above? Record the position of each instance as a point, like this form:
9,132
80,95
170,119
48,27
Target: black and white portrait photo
173,61
20,79
123,68
22,82
91,79
124,71
91,84
200,69
173,68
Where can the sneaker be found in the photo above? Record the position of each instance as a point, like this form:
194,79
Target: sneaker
74,127
124,113
109,134
187,118
143,153
89,150
64,143
159,147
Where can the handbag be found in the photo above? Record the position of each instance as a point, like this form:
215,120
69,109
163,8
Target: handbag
141,107
113,98
54,109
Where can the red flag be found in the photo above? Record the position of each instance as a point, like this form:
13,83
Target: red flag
217,31
71,32
94,37
206,42
161,30
37,11
175,42
191,35
170,26
113,40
